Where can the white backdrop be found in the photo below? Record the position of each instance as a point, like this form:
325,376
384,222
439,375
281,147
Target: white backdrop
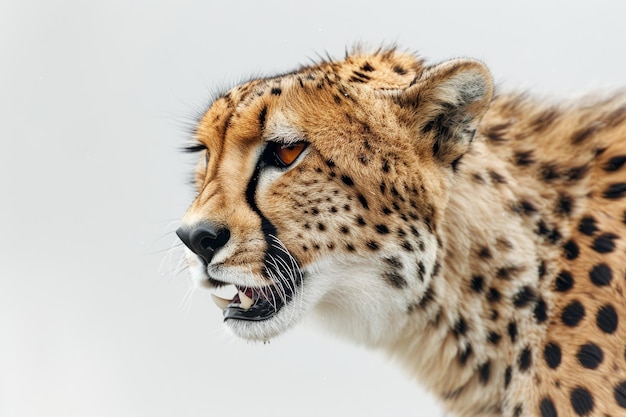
95,100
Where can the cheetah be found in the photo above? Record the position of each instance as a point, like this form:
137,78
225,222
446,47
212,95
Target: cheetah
474,236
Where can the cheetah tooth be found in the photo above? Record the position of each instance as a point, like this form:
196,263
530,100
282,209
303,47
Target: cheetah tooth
246,302
220,302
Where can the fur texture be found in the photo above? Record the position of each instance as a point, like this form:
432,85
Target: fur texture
476,238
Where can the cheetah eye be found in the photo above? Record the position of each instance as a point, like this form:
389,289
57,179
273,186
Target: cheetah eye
282,155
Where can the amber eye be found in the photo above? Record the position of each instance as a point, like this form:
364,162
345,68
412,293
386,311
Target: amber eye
286,154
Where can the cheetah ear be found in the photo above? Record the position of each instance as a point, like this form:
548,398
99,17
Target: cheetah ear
445,103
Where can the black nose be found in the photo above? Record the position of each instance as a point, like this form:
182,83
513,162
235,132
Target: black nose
204,239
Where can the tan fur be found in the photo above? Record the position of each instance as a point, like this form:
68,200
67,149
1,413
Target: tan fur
487,227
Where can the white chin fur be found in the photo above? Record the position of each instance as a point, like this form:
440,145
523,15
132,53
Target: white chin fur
370,314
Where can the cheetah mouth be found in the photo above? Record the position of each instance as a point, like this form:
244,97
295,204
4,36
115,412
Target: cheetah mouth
254,304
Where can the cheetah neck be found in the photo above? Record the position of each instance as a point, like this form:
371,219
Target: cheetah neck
485,295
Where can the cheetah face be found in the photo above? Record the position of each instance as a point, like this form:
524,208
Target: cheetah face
320,194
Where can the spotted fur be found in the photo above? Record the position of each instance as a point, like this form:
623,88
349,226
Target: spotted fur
476,238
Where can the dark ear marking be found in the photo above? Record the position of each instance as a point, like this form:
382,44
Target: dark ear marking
445,105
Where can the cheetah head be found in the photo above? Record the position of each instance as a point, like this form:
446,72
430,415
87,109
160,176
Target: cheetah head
321,191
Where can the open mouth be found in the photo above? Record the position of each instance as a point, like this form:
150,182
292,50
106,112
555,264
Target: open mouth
254,304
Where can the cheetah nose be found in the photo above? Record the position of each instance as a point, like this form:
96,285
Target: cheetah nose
204,239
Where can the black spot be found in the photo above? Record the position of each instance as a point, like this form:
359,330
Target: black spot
570,249
330,163
540,311
619,393
552,235
360,221
382,229
497,133
582,401
385,166
484,252
315,211
321,227
467,352
497,178
512,330
421,270
493,295
399,70
601,275
549,172
347,180
584,133
262,116
607,319
587,226
524,296
615,190
460,327
436,268
276,91
477,283
526,207
564,205
564,281
590,355
507,272
478,178
350,247
483,372
427,298
372,245
344,230
604,243
361,75
576,173
546,408
395,279
363,202
524,158
367,67
494,338
517,411
508,373
573,313
615,163
525,359
407,246
394,262
552,355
